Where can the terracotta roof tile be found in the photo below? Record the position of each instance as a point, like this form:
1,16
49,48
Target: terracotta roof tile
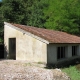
50,35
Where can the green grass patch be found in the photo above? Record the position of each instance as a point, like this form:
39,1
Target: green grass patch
27,64
78,67
73,72
40,62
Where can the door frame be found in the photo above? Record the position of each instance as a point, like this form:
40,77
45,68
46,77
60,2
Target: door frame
12,48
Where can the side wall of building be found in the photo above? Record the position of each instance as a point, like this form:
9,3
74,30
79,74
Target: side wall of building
27,47
52,53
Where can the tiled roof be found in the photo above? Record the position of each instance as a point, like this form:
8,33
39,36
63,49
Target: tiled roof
50,35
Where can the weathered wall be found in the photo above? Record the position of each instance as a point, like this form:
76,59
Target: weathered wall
27,47
34,49
52,53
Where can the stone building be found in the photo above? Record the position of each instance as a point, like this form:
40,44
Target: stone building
39,45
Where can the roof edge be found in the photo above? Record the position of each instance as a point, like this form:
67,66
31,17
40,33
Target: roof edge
28,33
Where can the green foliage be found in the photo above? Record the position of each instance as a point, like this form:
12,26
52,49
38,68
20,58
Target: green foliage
37,16
27,12
78,67
63,15
72,72
13,10
1,24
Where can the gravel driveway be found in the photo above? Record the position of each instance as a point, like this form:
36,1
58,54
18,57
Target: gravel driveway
23,70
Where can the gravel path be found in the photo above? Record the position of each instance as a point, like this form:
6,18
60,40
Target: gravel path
22,70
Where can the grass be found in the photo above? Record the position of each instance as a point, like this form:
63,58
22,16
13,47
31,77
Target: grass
40,62
73,72
27,64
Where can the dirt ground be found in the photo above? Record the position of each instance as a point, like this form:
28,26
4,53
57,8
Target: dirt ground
24,70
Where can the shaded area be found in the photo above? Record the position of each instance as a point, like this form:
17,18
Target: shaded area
64,64
1,51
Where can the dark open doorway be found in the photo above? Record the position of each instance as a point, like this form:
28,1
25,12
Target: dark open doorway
1,51
12,48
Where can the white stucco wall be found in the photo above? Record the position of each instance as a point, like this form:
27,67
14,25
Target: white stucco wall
52,53
31,48
27,47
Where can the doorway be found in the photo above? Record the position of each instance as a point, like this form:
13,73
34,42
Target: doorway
12,48
1,51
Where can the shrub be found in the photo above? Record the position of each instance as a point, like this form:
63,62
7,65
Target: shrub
78,67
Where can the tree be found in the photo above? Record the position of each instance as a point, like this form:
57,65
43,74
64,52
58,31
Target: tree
13,10
37,15
63,15
26,12
1,24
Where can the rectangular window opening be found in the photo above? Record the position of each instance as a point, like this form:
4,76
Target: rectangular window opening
74,50
60,52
